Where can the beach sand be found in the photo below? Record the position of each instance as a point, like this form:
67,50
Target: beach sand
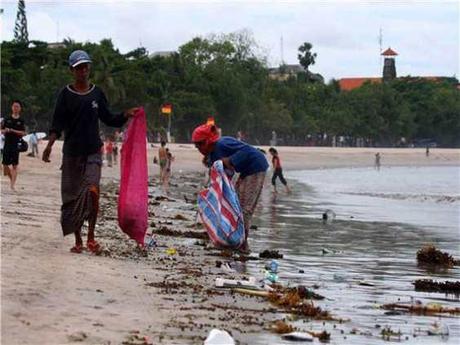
50,296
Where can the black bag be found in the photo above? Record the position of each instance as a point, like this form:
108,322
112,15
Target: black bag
22,145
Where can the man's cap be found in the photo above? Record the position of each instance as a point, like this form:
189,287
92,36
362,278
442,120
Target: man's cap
78,57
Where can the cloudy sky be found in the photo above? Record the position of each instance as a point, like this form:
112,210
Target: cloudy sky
344,34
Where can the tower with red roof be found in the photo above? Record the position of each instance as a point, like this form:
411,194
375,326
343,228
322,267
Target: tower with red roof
389,66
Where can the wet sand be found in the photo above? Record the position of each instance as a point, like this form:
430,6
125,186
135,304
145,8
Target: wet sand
50,296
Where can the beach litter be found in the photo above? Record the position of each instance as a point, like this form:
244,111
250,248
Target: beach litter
233,283
429,285
430,255
297,336
432,309
219,337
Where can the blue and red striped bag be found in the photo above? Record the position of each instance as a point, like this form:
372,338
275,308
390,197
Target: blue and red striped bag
220,210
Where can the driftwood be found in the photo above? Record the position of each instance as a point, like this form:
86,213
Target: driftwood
420,309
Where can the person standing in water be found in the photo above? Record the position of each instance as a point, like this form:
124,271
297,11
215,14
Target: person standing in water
277,170
79,107
377,161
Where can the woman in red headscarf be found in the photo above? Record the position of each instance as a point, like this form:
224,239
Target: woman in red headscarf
239,157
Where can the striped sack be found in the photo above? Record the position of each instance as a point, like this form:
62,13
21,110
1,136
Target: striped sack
220,210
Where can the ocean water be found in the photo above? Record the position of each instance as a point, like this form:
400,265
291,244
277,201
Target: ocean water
380,220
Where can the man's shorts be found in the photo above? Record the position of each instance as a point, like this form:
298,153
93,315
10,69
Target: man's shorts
10,157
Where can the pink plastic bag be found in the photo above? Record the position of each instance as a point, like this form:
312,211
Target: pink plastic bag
133,196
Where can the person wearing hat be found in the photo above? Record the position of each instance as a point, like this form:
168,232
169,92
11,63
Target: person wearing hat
239,157
79,107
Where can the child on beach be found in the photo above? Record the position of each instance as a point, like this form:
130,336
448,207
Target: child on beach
277,170
239,157
79,108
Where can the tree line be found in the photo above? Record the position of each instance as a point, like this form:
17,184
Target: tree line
225,76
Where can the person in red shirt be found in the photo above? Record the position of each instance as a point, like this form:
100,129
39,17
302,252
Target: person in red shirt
277,170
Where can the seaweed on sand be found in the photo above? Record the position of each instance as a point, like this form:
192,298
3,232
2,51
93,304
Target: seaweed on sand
433,286
292,301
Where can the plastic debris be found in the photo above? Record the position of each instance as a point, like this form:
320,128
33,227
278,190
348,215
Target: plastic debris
230,283
171,251
219,337
297,336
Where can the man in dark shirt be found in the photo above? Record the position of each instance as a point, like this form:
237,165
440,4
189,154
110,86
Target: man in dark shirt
13,129
79,108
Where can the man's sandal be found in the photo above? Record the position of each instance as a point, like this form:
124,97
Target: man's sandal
77,249
93,246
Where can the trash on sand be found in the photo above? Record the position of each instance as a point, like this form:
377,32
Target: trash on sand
271,277
272,266
252,292
226,267
420,309
230,283
171,251
151,242
297,336
328,216
433,286
270,254
430,255
218,337
438,329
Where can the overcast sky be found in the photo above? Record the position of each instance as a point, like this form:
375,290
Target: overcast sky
344,34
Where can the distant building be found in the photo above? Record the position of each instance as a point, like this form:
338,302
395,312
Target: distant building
54,45
389,73
284,72
162,54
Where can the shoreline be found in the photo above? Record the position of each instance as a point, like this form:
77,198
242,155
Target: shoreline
63,298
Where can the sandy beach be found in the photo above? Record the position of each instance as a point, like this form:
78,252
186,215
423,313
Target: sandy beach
51,296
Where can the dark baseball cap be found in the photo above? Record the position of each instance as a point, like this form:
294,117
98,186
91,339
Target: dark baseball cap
78,57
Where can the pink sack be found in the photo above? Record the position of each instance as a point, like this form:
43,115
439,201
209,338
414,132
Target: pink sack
133,196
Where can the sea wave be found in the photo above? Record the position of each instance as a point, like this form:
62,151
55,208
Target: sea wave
440,199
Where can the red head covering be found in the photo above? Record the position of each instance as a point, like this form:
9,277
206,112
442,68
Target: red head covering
207,133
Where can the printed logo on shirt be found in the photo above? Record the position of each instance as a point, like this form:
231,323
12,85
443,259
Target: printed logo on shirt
94,105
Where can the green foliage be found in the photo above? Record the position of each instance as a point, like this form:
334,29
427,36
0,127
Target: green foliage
223,76
305,56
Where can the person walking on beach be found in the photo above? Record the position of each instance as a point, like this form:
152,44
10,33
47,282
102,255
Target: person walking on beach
239,157
277,170
108,148
162,157
33,141
13,128
79,107
167,171
377,161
